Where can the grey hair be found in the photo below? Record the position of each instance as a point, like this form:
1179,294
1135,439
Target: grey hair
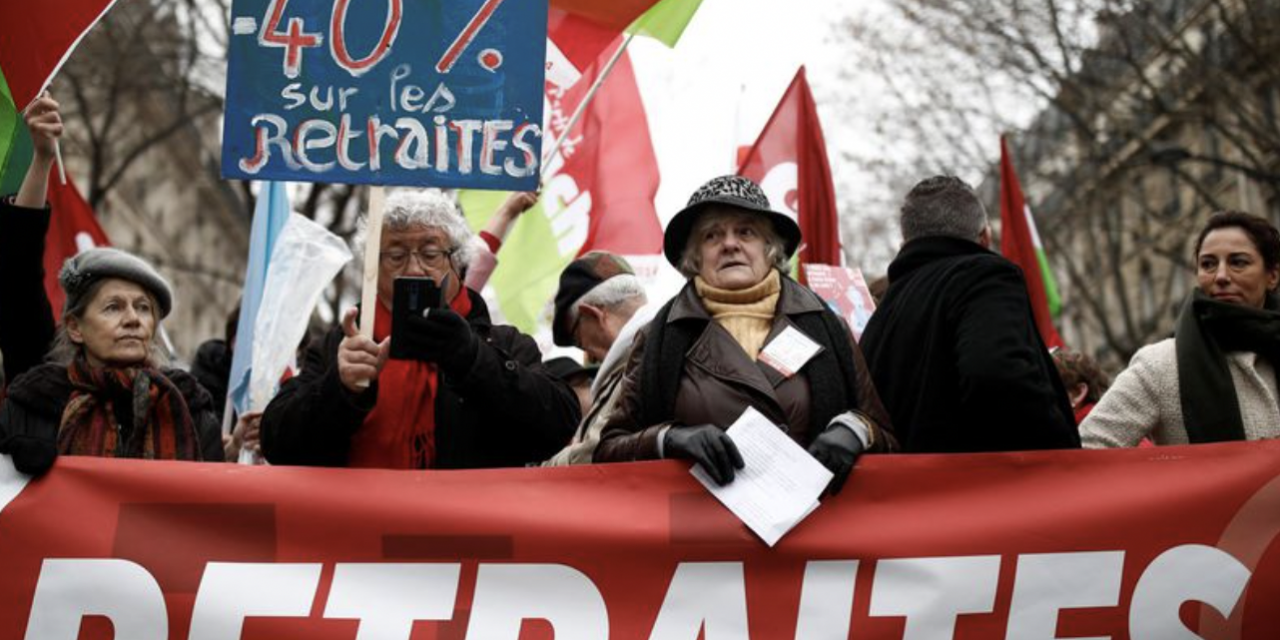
64,349
774,248
406,208
612,294
942,206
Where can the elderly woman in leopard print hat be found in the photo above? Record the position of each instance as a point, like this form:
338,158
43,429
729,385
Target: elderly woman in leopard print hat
742,334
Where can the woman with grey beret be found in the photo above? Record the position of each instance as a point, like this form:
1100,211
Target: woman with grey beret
103,392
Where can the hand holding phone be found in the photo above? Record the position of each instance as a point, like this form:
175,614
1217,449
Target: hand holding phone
410,298
424,328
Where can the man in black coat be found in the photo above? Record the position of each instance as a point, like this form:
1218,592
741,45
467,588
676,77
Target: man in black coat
455,391
953,347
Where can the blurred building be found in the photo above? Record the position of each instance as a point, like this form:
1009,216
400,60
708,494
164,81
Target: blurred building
1173,115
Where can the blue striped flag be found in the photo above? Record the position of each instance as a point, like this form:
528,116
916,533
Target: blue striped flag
269,217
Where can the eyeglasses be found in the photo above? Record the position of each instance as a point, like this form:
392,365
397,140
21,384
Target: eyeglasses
428,257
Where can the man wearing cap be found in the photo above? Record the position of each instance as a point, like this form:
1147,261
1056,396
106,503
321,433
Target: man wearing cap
599,307
742,334
953,345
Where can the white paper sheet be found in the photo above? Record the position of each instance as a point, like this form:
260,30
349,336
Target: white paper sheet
780,484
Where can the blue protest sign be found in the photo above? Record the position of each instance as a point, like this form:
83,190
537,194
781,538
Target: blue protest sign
444,93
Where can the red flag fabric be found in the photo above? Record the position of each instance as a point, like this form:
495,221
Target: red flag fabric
577,42
608,157
1017,245
37,37
615,15
72,229
789,160
1144,544
582,29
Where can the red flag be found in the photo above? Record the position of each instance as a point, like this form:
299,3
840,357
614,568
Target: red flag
576,43
789,160
38,37
582,29
615,15
608,159
72,230
1018,244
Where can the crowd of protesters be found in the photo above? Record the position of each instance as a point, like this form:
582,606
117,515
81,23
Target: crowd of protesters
950,362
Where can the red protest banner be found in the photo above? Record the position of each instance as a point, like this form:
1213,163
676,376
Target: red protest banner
1150,544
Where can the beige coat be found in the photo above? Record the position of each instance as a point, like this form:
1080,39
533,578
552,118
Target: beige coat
1144,401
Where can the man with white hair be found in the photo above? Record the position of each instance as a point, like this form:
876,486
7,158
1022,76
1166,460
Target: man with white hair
598,308
459,391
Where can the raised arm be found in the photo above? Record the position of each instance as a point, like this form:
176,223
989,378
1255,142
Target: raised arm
45,125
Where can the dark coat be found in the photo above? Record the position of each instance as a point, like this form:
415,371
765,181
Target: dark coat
956,356
506,411
33,411
718,381
26,319
212,367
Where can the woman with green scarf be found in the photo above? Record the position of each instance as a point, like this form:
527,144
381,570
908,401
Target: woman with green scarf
1214,381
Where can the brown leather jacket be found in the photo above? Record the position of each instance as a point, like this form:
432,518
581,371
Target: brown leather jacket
719,381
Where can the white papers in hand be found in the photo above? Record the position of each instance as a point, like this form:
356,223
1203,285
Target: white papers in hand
779,484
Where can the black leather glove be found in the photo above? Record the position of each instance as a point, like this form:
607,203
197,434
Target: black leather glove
31,455
706,444
837,449
443,337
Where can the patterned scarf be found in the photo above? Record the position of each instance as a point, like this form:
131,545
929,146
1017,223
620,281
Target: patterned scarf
161,427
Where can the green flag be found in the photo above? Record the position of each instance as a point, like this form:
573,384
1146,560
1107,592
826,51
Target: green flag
9,120
666,20
20,154
529,263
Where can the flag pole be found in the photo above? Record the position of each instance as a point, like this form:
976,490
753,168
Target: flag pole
591,93
57,148
372,249
372,254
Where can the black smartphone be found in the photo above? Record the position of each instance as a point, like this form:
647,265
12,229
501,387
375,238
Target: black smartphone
415,295
410,297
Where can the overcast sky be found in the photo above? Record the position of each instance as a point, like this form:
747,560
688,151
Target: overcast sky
717,88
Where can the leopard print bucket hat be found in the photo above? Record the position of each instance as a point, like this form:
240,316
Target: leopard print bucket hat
735,191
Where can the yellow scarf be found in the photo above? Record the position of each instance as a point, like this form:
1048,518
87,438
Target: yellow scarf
747,314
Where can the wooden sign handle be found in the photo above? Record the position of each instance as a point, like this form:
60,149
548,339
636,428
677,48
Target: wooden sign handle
372,253
372,250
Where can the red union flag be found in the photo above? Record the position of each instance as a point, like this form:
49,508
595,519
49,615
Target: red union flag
608,156
597,193
580,30
1146,544
789,160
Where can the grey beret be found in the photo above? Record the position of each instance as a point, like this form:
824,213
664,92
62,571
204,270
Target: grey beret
80,272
